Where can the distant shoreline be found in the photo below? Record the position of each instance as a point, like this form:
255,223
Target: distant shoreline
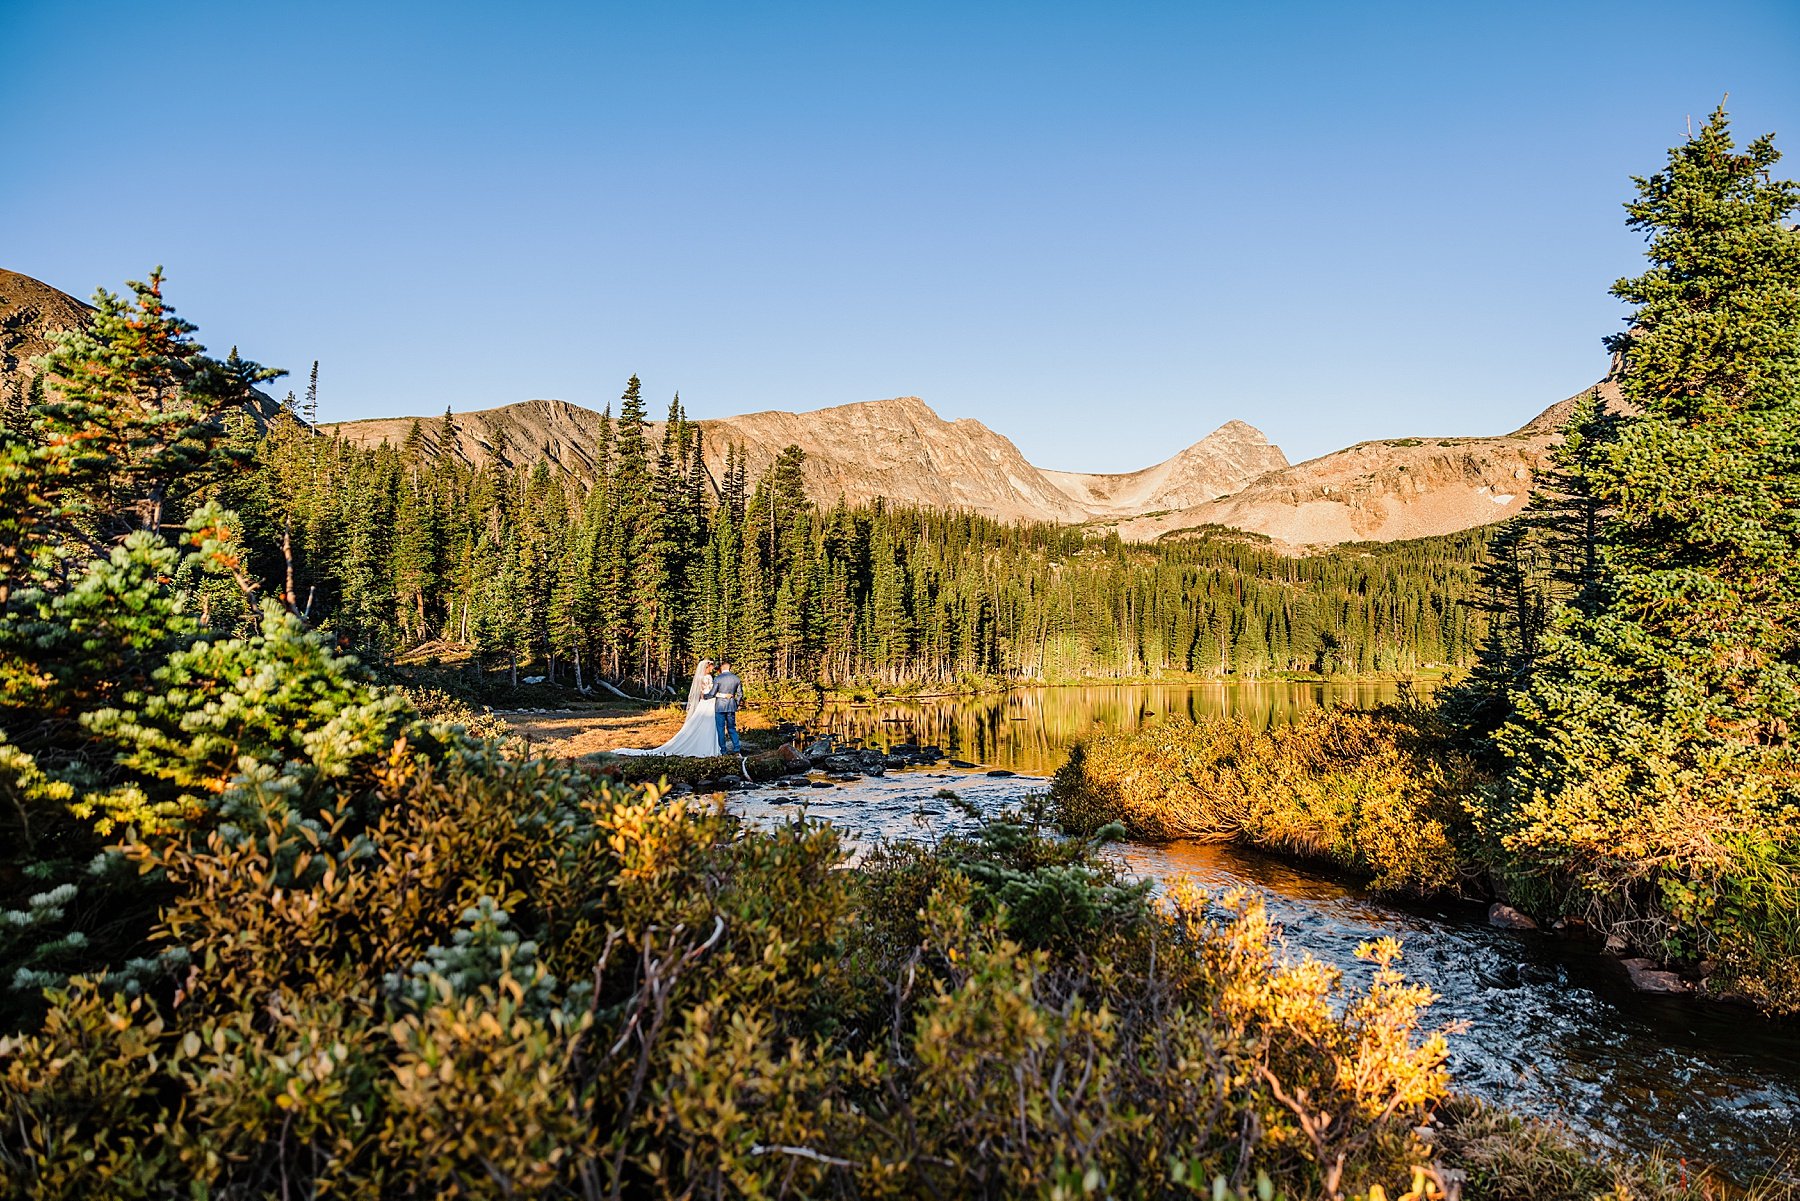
864,695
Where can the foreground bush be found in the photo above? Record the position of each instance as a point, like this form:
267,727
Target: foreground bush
503,979
1370,792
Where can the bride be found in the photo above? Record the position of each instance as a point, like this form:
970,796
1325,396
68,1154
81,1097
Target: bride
699,734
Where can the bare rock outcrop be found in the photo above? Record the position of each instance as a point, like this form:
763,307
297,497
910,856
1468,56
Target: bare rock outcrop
904,452
31,313
901,451
1382,491
1217,465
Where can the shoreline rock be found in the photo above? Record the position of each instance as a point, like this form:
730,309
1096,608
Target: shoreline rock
1647,977
1507,918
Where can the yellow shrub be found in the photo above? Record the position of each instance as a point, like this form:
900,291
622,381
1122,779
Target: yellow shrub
1359,789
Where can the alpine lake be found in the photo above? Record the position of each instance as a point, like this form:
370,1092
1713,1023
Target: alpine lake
1550,1023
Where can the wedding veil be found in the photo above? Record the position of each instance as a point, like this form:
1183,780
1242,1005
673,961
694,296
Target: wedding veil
696,688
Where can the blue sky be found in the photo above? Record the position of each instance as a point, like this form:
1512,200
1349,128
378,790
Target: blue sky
1102,229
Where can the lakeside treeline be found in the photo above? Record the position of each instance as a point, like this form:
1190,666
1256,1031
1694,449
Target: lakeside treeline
656,563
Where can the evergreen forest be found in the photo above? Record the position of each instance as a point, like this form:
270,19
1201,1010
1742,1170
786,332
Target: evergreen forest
395,548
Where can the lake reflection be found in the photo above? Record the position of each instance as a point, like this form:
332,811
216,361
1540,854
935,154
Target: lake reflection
1031,730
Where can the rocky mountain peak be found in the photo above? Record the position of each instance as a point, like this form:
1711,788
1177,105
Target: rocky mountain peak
31,312
899,449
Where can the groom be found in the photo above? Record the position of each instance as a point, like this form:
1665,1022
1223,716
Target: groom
727,691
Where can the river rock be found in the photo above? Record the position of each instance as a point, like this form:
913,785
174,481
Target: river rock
1647,977
819,748
930,754
961,763
1000,773
1540,974
1616,944
1508,918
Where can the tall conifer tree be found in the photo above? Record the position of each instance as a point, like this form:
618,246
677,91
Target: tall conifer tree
1651,762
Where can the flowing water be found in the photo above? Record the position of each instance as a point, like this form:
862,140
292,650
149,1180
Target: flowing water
1554,1027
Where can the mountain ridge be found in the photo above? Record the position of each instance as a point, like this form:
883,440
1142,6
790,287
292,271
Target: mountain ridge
900,450
897,449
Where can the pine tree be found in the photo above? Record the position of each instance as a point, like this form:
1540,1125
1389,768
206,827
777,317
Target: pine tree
309,412
1537,562
1650,761
415,550
138,418
450,437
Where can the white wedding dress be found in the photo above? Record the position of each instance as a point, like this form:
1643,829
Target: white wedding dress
698,737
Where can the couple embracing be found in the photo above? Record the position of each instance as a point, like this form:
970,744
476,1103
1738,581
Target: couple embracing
712,709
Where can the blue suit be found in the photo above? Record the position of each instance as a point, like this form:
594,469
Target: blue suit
728,690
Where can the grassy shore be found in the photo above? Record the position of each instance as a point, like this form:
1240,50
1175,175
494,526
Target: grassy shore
1366,792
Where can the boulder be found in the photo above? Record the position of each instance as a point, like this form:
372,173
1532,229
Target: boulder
819,748
909,749
1000,773
1647,977
929,754
1508,918
793,762
961,763
896,762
